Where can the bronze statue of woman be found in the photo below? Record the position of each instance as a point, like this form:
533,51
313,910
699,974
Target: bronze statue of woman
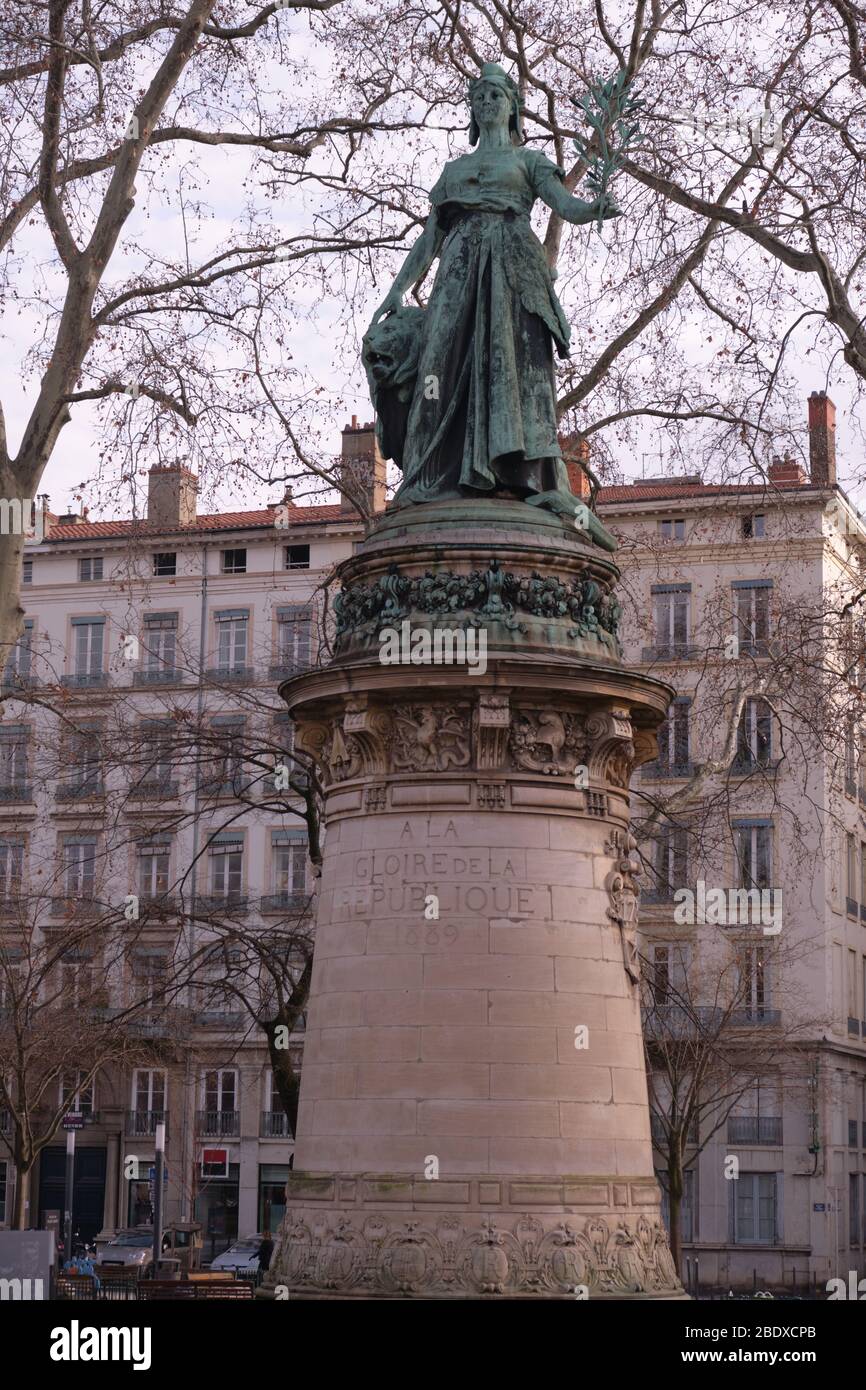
464,390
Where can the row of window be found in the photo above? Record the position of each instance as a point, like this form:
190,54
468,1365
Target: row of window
754,739
752,527
753,849
80,863
669,963
164,563
158,654
152,759
672,614
219,1096
755,1211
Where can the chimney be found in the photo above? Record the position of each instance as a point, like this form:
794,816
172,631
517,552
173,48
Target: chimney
822,439
786,470
362,466
575,451
171,495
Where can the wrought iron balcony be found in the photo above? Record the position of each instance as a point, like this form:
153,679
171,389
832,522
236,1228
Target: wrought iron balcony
670,651
88,790
284,670
758,1015
228,1019
235,905
275,1125
84,680
235,675
285,902
745,766
141,1124
657,770
755,1129
160,675
155,789
218,1124
12,681
74,906
16,792
158,905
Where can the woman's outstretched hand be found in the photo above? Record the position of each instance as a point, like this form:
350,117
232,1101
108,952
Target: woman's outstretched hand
390,305
603,207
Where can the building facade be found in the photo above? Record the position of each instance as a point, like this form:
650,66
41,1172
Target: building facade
737,596
149,668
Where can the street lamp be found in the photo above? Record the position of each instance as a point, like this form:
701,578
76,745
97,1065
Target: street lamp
157,1197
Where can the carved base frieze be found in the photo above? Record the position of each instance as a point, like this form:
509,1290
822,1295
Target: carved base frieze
381,1254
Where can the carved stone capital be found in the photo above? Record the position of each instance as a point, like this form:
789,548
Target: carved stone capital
492,724
610,748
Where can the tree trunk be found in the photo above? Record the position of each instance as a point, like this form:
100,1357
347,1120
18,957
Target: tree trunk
21,1213
675,1202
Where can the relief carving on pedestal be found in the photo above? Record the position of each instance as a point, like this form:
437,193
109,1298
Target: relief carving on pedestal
430,738
512,1256
624,895
544,741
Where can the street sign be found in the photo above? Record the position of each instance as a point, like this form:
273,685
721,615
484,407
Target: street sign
72,1122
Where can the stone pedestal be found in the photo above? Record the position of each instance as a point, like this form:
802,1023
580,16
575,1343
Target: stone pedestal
473,1116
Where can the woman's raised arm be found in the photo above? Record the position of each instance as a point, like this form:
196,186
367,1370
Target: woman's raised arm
414,268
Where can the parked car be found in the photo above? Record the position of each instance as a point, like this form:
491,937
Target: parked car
132,1248
240,1258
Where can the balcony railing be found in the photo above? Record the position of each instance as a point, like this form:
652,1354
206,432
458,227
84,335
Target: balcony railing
218,1124
275,1125
12,681
754,1129
84,680
159,905
79,791
285,902
156,789
661,769
284,670
744,767
657,895
232,674
757,1015
141,1124
73,907
232,904
162,675
658,1129
229,1019
18,791
670,651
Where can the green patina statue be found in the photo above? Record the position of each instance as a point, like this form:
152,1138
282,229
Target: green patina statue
464,390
